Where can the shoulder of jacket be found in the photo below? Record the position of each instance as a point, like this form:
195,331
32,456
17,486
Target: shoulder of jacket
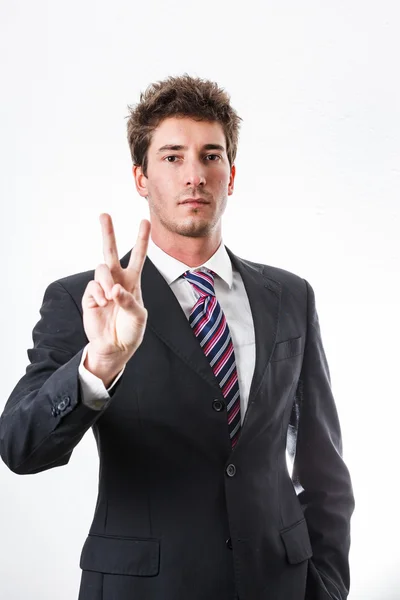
74,284
283,277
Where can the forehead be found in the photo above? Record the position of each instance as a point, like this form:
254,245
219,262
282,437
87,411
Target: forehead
186,131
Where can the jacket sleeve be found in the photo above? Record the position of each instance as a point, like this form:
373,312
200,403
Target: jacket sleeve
44,417
319,470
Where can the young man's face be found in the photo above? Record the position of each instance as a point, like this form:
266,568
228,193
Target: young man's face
186,159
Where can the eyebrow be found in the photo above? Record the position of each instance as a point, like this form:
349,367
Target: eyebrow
179,147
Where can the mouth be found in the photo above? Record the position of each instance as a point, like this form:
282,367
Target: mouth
194,202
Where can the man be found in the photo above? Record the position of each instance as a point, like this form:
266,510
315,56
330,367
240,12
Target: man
193,367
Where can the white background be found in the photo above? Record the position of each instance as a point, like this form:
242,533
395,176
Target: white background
317,193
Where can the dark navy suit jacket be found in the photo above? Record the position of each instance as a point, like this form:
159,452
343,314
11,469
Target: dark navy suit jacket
180,515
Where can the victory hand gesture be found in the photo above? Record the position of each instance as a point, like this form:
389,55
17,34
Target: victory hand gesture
114,317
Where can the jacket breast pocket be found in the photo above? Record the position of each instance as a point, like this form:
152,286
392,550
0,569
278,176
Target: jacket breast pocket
121,556
287,349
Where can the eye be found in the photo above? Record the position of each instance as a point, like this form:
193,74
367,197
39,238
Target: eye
217,156
171,156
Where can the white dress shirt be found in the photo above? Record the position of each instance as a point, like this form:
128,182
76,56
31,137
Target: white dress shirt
232,296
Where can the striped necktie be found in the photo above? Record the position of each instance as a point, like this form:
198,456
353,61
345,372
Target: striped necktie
211,329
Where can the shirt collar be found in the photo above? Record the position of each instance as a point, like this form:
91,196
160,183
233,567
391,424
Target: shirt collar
171,268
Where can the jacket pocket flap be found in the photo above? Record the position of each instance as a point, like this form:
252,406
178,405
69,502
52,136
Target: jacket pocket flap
287,349
297,542
121,556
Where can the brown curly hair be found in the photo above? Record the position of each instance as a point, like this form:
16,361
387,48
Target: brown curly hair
181,96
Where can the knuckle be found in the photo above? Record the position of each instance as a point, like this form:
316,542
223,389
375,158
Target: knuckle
94,288
88,289
92,285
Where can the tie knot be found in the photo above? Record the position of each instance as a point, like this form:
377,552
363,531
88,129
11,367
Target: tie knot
202,280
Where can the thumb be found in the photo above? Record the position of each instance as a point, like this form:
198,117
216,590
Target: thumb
123,298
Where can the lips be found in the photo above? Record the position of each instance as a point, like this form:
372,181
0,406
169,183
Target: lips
194,201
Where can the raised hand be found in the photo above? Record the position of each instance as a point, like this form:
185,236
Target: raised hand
114,316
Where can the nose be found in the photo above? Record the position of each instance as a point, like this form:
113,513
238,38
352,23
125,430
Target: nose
194,175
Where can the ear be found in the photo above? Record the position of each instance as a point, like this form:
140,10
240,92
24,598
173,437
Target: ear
140,180
231,180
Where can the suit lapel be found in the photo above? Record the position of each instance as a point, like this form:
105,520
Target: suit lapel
264,296
168,321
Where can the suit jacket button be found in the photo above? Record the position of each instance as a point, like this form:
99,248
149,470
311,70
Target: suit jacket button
218,405
230,470
64,403
229,543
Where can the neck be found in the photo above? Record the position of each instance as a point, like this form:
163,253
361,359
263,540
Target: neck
193,252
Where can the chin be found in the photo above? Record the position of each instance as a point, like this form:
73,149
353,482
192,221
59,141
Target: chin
195,229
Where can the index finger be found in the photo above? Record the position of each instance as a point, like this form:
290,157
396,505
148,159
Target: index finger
139,251
110,251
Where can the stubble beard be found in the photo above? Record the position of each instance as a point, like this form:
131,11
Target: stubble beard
194,227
